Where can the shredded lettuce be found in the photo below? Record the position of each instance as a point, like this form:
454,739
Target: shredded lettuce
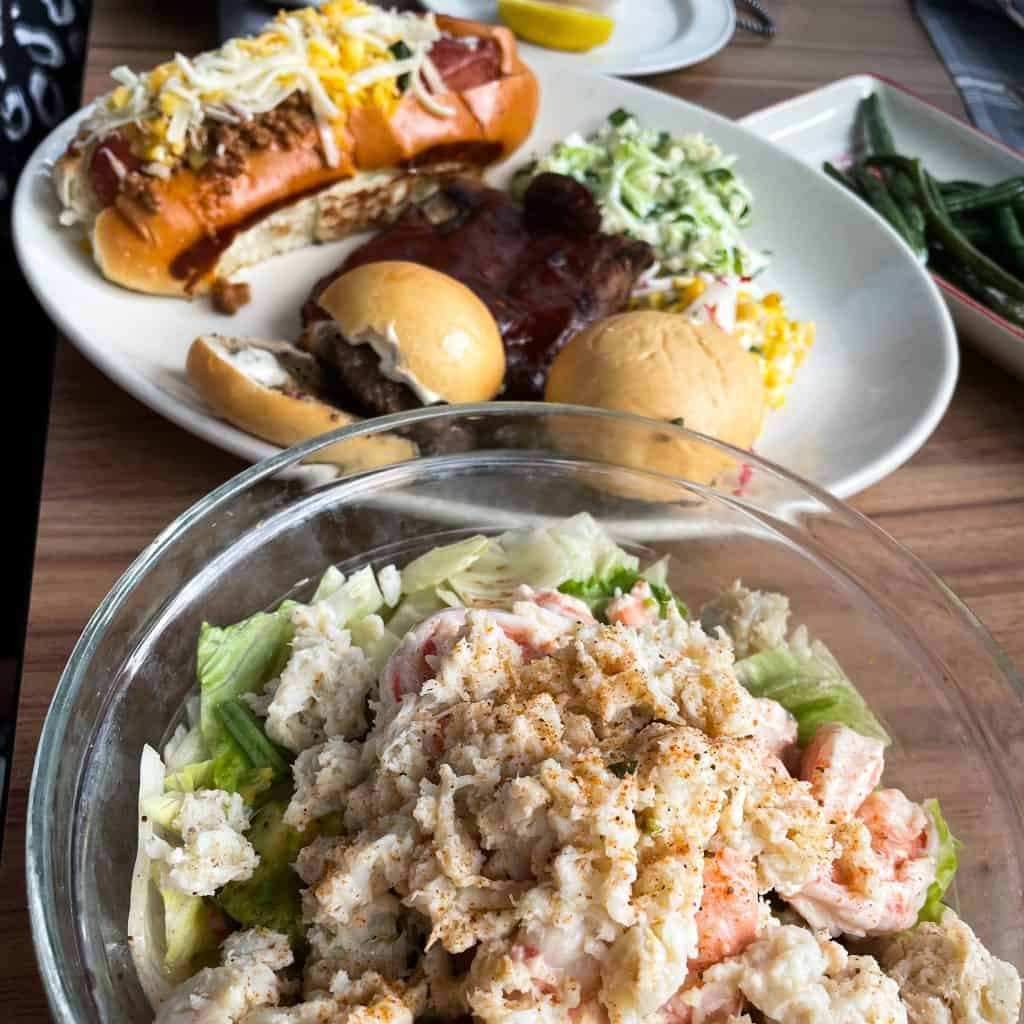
440,564
412,610
657,572
946,866
375,640
185,747
575,549
596,592
356,598
331,580
679,194
233,661
198,775
808,682
161,810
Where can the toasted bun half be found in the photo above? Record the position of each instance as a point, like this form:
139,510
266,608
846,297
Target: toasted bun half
660,366
268,388
193,227
431,332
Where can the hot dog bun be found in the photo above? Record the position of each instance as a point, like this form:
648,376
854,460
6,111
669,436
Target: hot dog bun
271,389
189,227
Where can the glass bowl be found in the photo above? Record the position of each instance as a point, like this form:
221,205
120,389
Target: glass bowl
949,696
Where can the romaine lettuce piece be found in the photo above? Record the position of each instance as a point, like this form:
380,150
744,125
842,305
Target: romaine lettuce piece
272,897
188,935
946,867
232,661
198,775
809,683
246,730
440,564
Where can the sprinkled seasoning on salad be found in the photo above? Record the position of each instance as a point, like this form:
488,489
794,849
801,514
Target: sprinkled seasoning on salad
515,781
682,195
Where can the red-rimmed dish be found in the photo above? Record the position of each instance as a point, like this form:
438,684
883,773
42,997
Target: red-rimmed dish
822,125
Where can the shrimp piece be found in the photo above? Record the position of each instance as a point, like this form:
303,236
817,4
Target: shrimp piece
544,971
637,608
843,768
878,883
726,924
566,605
415,660
776,728
728,916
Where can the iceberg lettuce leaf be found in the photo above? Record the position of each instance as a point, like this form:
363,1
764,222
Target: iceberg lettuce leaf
440,564
809,683
946,866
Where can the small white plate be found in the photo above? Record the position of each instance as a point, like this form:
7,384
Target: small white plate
651,36
822,125
871,391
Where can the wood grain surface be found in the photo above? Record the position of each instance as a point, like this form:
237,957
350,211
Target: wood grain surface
116,473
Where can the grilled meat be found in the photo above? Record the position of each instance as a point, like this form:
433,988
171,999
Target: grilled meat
544,269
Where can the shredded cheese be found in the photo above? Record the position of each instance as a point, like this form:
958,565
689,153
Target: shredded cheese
340,56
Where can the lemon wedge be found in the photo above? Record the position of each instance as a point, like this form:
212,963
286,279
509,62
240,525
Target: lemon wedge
556,25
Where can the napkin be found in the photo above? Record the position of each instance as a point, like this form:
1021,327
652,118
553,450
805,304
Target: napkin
982,45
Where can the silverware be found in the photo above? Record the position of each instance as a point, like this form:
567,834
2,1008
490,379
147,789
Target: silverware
761,24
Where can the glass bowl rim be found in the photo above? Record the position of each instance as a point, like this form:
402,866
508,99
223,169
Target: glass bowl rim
38,823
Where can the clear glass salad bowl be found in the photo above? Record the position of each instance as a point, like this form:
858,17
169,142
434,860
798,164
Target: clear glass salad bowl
949,697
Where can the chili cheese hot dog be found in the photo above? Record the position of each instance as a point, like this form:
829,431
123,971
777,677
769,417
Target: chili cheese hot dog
332,119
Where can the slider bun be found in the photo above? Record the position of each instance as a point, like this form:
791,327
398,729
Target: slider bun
287,414
446,337
660,366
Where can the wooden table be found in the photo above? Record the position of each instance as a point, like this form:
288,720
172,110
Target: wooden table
116,473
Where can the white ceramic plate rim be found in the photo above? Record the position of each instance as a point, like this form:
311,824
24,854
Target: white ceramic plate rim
677,54
206,425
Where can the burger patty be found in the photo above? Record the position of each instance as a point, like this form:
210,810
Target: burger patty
544,269
352,377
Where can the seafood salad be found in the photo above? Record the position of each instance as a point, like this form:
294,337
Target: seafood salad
518,780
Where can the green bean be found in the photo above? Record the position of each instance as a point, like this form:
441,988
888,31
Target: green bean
977,234
991,196
879,136
879,197
958,186
997,301
841,176
958,247
1010,234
